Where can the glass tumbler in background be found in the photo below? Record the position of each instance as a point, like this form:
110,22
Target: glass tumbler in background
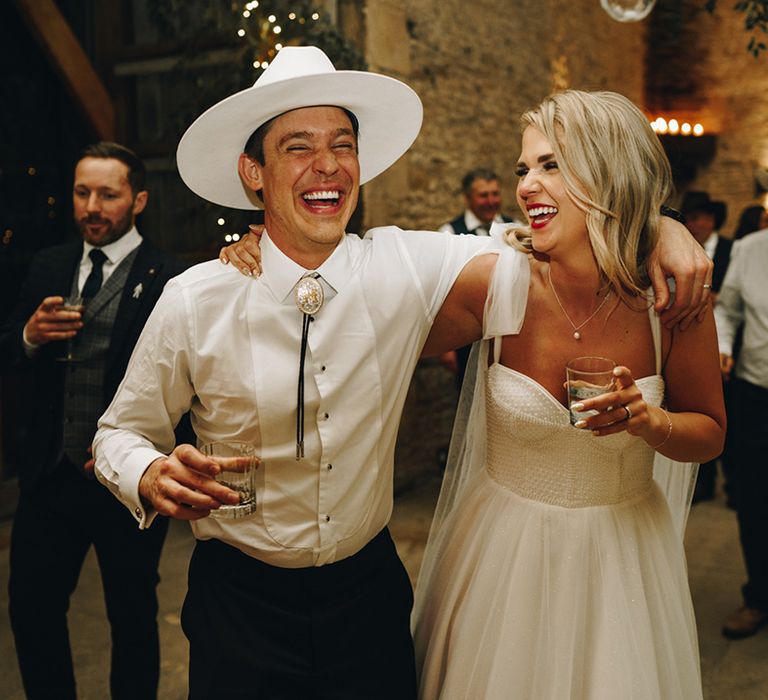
238,462
72,303
586,378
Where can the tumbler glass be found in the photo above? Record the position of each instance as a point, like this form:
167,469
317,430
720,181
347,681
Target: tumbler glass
586,378
238,462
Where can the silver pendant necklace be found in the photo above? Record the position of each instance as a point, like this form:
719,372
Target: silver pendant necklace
576,329
309,300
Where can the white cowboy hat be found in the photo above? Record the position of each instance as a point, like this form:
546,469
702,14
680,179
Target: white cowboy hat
388,111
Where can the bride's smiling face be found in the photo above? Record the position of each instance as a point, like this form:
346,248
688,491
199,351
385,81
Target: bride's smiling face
554,218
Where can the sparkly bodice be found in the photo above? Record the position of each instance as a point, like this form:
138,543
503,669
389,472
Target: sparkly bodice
533,449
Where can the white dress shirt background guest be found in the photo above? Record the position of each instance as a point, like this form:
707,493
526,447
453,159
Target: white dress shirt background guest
744,300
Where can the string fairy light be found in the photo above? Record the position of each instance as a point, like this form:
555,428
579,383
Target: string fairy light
673,127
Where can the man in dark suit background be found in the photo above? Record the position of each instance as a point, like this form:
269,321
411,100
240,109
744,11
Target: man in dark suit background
482,196
62,509
704,218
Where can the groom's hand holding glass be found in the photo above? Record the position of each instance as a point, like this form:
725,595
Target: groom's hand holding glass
183,485
51,321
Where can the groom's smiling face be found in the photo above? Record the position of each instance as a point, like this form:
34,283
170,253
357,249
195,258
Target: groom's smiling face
309,180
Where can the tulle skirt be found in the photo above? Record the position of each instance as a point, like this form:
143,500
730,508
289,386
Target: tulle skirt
541,602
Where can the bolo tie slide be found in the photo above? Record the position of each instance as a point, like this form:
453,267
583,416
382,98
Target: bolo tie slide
309,300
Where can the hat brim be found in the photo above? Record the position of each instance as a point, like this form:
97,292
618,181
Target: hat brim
388,111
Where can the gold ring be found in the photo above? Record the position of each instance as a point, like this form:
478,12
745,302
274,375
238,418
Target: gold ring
629,412
707,286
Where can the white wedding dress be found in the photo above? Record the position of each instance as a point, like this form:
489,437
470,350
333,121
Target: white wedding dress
557,572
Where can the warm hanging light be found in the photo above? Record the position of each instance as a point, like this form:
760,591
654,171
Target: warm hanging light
673,127
628,10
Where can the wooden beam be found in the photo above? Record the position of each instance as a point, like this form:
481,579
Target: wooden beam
55,36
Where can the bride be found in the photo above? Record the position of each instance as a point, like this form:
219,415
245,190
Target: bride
555,567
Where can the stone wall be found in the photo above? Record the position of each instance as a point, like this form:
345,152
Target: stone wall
477,66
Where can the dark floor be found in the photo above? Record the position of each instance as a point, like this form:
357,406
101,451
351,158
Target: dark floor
731,670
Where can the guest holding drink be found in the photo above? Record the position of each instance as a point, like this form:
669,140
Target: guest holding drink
554,568
84,302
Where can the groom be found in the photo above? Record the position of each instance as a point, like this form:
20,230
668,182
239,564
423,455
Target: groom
307,597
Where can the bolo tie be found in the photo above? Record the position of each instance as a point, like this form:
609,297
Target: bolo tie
309,300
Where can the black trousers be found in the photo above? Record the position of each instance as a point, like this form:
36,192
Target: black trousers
334,632
52,531
750,433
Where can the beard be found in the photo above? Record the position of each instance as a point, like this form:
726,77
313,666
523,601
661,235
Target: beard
114,231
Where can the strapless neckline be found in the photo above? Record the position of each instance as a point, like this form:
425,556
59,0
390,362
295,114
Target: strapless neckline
548,394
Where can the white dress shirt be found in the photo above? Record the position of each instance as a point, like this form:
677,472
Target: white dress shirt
116,252
710,245
227,347
473,224
743,299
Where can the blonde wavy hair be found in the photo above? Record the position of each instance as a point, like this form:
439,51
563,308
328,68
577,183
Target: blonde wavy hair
615,170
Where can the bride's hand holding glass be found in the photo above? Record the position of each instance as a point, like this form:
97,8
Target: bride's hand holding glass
625,409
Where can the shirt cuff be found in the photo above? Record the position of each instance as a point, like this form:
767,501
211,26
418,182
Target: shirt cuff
29,348
135,466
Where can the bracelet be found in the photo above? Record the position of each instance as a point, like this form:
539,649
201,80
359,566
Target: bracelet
669,431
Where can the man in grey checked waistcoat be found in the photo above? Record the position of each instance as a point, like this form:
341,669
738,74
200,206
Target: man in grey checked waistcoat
62,509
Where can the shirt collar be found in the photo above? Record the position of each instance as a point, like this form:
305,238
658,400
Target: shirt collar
710,244
117,250
473,222
280,273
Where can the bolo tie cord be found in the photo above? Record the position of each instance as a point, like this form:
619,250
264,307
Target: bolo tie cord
309,300
300,399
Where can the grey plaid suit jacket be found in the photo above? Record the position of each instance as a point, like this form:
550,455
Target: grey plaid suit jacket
52,273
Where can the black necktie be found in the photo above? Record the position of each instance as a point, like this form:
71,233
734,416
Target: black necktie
93,283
